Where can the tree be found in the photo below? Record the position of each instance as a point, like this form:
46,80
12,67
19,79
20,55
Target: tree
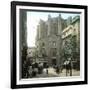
71,50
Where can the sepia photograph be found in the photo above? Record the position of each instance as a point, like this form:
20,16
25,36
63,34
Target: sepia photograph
48,44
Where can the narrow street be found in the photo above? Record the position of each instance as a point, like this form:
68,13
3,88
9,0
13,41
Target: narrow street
63,73
52,73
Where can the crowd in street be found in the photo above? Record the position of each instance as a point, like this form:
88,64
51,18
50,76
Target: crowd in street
31,70
37,68
34,69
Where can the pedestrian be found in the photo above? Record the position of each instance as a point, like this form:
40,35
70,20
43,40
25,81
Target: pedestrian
57,70
39,68
68,67
30,70
44,71
47,68
34,72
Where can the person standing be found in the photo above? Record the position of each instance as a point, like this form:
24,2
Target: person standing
30,71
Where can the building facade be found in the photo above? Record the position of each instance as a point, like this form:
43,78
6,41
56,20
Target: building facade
23,40
71,41
31,54
23,28
50,37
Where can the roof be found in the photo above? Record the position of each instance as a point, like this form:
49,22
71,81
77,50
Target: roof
75,19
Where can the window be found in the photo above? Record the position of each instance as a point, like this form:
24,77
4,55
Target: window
70,28
43,44
74,30
53,51
43,52
54,43
64,33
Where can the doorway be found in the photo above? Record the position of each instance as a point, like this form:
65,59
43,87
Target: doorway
53,62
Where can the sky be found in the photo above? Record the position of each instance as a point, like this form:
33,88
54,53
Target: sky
33,19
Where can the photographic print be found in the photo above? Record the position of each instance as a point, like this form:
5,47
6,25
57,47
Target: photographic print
48,45
53,44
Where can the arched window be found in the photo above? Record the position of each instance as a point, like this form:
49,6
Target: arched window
43,44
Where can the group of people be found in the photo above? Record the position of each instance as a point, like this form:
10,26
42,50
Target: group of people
34,69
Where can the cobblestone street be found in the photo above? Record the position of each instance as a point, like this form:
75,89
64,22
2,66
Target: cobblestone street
52,73
63,73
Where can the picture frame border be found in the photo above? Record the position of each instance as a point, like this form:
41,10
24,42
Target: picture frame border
13,44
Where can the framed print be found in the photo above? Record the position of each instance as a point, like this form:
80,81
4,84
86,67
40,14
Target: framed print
48,44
